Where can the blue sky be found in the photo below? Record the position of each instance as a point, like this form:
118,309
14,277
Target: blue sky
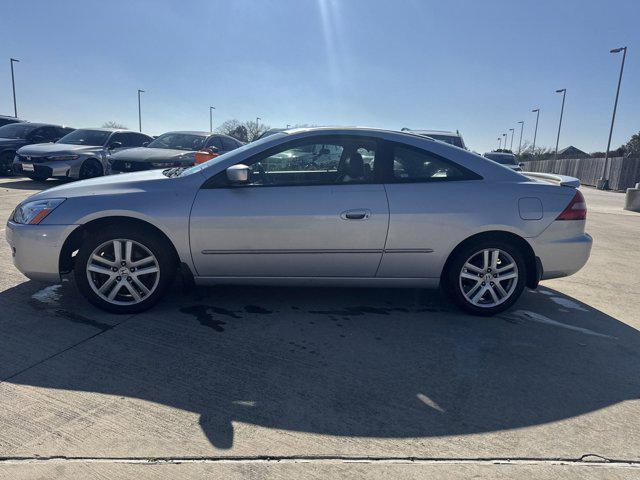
476,66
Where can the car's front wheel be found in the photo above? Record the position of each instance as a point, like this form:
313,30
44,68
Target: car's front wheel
486,277
124,269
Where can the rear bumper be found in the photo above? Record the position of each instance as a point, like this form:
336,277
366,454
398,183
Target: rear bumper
36,249
560,254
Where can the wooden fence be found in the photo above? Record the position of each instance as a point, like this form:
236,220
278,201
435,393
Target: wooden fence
624,172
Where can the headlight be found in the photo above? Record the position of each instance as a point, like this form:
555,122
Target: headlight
34,212
59,158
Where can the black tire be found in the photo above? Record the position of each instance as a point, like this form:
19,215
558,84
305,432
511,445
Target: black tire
452,281
6,161
36,177
157,245
91,168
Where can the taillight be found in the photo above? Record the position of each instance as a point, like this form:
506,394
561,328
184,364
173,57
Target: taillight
576,210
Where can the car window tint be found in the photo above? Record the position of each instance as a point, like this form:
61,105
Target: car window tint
215,142
228,144
411,165
316,162
131,139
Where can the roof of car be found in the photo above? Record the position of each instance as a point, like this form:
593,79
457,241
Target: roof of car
354,129
35,124
433,132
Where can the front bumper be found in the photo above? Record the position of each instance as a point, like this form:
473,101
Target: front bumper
61,169
36,249
561,251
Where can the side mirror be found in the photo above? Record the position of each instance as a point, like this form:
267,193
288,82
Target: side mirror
238,173
144,144
114,145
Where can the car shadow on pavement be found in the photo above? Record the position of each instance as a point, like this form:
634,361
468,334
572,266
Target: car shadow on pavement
344,362
21,183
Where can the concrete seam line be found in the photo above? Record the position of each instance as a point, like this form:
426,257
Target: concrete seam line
53,355
635,464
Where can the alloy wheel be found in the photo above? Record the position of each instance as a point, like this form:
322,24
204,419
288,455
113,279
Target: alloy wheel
123,272
488,278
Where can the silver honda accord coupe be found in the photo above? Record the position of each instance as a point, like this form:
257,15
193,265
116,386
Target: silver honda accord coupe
317,206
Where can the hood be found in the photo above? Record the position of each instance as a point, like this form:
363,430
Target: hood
40,149
12,142
144,154
100,185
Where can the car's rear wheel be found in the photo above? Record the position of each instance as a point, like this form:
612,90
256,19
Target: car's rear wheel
486,277
91,168
124,269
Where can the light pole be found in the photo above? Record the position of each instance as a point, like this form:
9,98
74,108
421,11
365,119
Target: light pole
211,109
499,143
563,91
535,132
521,122
13,85
504,144
511,147
603,183
139,111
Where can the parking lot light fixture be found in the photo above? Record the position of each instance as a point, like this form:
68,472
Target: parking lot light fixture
511,147
521,122
563,91
504,144
535,132
499,143
603,183
211,109
13,86
139,111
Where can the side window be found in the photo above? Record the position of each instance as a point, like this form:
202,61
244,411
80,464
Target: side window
215,142
416,165
43,135
117,137
228,144
324,161
131,139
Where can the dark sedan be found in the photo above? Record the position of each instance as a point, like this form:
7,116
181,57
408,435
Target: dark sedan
172,149
4,120
16,135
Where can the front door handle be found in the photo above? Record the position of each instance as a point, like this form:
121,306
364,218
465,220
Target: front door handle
360,214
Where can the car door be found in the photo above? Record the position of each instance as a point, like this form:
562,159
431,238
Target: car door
430,199
311,208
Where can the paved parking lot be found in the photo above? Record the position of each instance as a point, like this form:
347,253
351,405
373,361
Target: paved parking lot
286,382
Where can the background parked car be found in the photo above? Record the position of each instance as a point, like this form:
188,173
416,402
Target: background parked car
4,120
172,149
452,138
82,153
16,135
506,158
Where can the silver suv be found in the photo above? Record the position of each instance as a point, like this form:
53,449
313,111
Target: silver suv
81,154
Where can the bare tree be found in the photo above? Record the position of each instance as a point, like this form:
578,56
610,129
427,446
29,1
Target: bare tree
112,124
246,131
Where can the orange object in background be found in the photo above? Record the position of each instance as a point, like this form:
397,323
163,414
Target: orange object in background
203,156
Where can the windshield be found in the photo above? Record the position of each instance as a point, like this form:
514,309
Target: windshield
501,158
83,136
16,130
248,146
179,141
